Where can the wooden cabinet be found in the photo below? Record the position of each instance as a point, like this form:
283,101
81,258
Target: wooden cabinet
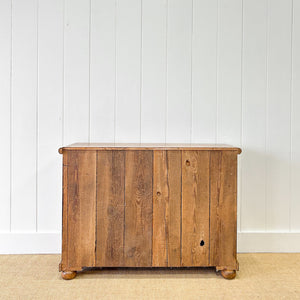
149,206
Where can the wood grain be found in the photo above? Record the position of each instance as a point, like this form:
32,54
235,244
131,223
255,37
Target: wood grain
195,208
110,208
65,216
149,146
166,208
81,197
223,224
138,209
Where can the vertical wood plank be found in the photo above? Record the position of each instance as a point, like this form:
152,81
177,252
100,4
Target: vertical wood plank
153,85
65,252
138,208
166,208
76,71
278,115
223,225
254,75
174,226
102,67
128,70
195,208
295,121
50,101
5,117
24,109
179,41
204,71
160,207
81,209
110,208
215,207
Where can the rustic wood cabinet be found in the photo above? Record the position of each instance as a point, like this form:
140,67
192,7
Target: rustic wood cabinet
149,205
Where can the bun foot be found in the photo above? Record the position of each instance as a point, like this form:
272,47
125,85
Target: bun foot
67,275
228,274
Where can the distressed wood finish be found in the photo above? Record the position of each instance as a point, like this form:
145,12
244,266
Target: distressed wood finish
142,207
166,208
223,178
110,208
195,208
81,197
138,209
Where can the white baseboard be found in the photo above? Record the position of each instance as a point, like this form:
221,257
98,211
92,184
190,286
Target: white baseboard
50,243
30,243
268,242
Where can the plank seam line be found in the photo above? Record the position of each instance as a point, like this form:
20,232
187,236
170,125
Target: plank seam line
11,115
37,119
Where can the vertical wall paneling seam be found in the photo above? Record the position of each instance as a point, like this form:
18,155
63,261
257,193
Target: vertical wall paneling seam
291,124
241,124
192,42
115,70
141,69
217,71
167,94
37,118
90,49
266,110
10,112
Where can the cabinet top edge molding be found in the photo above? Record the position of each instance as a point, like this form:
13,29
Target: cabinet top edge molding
149,146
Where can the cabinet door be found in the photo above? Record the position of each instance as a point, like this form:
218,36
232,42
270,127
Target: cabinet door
195,208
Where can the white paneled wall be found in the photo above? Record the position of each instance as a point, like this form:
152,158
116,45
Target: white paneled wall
224,71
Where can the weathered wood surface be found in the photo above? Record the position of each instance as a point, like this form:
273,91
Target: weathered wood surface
195,208
110,208
143,208
138,209
149,146
223,186
166,209
81,198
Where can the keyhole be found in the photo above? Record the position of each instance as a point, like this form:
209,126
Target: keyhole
202,243
158,193
187,162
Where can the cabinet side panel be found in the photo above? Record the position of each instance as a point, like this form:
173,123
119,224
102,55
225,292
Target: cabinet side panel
81,209
64,248
223,209
195,208
110,208
138,209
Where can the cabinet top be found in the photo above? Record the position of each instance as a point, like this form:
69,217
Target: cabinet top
149,146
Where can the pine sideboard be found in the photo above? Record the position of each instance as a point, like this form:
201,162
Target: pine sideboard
149,205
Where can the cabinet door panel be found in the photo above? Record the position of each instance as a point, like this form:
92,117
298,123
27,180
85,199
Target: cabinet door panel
166,208
138,208
195,208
